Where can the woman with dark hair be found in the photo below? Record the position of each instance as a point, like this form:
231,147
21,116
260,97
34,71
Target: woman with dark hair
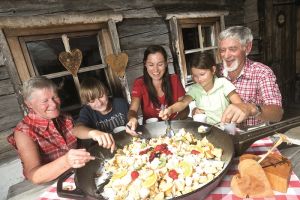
155,89
211,94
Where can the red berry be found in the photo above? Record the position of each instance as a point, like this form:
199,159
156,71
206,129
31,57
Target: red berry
145,151
167,152
134,175
173,174
152,156
160,147
195,152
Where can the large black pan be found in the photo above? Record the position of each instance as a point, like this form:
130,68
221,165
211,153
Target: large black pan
231,145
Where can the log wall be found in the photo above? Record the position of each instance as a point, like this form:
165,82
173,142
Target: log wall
298,42
143,24
279,44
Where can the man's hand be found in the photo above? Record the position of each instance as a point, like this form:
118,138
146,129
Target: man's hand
236,113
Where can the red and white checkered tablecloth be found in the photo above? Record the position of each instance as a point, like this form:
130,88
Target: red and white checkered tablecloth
223,191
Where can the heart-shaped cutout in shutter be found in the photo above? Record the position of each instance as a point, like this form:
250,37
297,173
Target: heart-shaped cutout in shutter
118,63
71,60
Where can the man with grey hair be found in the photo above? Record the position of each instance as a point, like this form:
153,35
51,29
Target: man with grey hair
254,81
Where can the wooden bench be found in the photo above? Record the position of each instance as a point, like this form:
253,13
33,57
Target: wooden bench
26,190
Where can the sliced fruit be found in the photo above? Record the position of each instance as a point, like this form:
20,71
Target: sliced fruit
150,181
187,168
120,174
196,148
146,174
217,152
165,186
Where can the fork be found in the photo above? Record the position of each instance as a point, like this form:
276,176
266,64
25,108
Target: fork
169,131
100,187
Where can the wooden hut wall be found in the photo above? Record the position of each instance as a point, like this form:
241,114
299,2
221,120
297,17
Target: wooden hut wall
298,42
137,33
278,31
143,24
297,86
10,112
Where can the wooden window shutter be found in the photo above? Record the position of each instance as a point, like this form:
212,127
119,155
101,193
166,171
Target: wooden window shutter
177,45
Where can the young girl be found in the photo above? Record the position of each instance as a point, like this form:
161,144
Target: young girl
211,94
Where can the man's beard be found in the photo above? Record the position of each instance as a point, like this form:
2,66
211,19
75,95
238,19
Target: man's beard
232,67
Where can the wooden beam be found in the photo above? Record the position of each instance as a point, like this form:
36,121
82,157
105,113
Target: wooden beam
201,14
44,21
114,36
116,48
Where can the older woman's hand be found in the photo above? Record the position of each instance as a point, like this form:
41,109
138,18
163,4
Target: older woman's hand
77,158
105,140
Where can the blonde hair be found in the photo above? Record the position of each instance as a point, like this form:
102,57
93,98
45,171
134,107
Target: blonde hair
91,89
36,83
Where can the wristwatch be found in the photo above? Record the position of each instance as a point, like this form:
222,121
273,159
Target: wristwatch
258,110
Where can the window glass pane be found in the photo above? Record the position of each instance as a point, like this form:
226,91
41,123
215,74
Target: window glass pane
44,53
67,91
89,48
190,38
207,36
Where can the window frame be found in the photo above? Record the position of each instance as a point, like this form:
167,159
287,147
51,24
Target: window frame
106,36
178,21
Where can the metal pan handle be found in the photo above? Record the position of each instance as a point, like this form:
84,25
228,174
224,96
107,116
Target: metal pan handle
72,194
243,142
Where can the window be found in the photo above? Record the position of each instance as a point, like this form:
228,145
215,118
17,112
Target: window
36,52
194,32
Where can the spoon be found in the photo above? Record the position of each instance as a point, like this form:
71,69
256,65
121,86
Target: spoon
169,131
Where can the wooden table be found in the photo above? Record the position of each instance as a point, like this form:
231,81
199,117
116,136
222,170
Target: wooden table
223,191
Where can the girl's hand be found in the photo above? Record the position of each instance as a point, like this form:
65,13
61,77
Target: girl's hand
77,158
165,113
197,111
105,140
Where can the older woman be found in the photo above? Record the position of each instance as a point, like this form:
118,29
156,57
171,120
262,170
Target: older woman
43,138
156,89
